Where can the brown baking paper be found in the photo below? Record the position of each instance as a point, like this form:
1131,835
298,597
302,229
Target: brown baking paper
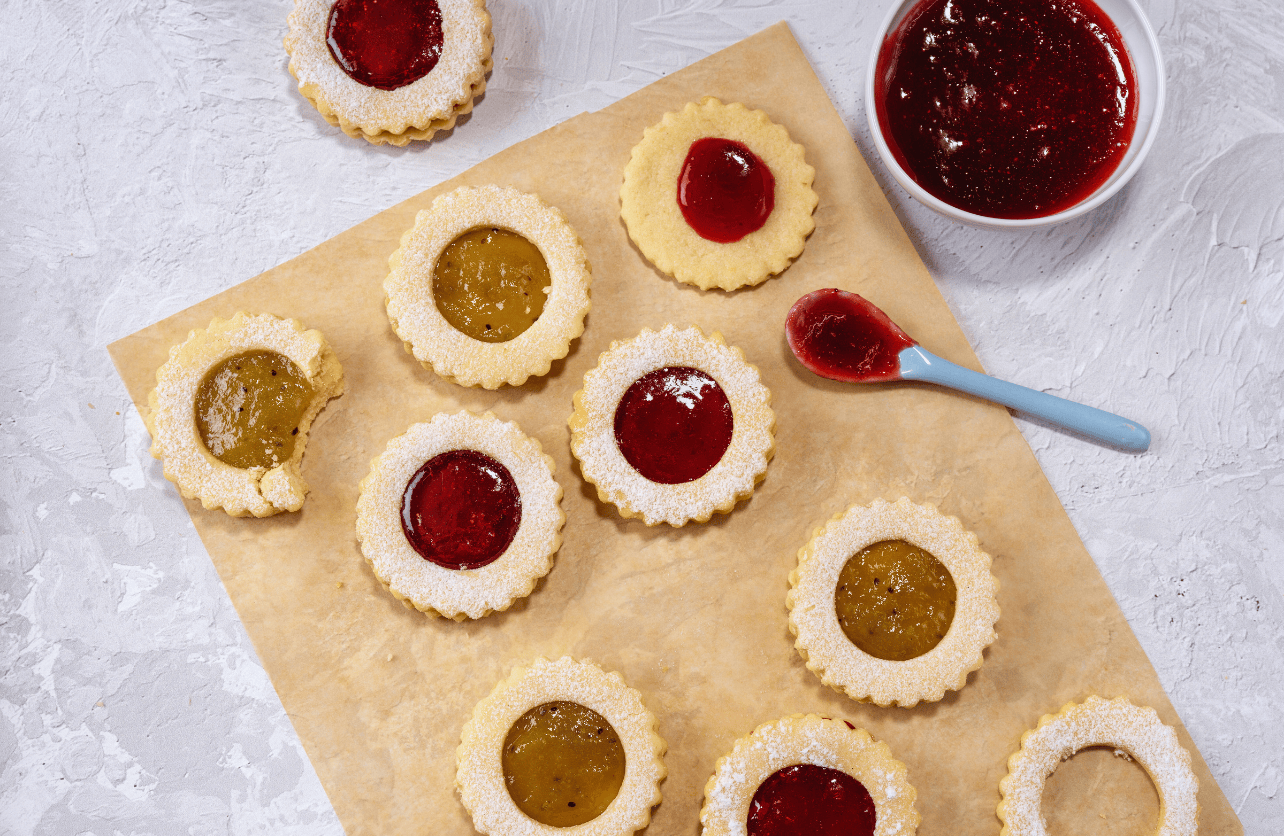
694,618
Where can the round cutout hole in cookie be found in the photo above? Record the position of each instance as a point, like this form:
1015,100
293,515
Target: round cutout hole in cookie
1098,792
461,510
674,424
491,284
563,763
248,409
895,600
385,44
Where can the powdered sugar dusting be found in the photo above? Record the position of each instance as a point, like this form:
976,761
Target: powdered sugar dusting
453,354
171,416
845,667
807,739
480,777
437,96
460,593
731,479
1098,722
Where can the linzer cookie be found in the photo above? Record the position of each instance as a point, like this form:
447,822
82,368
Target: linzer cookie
460,516
809,774
390,71
230,413
672,426
560,745
489,287
893,603
1118,724
718,196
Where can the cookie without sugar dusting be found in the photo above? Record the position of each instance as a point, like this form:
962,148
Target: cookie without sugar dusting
460,593
171,416
415,111
839,663
437,344
655,221
1116,723
481,780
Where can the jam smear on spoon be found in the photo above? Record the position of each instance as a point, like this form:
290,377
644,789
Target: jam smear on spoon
842,336
385,44
725,190
461,510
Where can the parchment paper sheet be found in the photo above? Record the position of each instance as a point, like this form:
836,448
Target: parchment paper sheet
694,618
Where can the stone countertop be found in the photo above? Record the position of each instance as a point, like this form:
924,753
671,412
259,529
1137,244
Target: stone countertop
156,152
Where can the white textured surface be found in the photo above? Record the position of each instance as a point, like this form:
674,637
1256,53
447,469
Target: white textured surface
154,152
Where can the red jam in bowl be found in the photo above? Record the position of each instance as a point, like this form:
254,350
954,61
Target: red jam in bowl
1007,108
385,43
674,424
461,510
810,800
725,190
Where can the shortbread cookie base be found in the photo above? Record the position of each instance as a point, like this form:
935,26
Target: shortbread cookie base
171,413
808,739
649,205
453,355
480,775
732,479
404,138
842,665
1117,723
460,593
415,111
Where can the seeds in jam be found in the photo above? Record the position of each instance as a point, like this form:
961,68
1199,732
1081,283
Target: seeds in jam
810,800
491,284
894,600
385,44
563,764
1007,108
674,424
248,409
461,510
842,336
725,191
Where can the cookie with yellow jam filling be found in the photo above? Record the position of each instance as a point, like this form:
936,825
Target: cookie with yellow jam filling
232,407
560,745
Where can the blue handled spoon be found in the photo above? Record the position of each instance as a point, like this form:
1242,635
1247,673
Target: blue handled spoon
842,336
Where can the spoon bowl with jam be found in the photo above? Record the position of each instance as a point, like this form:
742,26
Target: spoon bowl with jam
845,337
1014,113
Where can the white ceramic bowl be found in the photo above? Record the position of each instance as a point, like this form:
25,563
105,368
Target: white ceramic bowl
1149,65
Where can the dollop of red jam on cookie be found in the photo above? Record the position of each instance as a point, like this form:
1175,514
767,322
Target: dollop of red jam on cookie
674,424
725,190
461,510
385,43
894,600
248,409
563,764
810,800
